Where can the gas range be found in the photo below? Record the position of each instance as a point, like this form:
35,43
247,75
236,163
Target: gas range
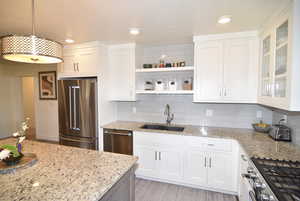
282,178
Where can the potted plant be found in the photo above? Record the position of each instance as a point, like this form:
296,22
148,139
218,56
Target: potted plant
12,154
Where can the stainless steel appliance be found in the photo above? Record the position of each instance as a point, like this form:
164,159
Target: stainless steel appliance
280,132
118,141
77,103
272,180
254,187
283,177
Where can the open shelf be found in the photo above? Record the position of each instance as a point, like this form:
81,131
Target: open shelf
166,69
165,92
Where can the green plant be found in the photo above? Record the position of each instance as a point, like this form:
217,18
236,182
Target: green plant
12,149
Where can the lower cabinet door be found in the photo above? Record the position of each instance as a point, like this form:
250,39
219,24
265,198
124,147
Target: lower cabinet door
147,162
195,171
170,164
221,171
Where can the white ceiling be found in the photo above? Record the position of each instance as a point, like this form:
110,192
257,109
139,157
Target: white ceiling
161,21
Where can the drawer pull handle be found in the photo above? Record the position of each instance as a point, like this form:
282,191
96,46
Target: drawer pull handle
211,145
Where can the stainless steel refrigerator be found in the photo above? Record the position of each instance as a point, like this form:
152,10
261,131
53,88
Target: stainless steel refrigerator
77,103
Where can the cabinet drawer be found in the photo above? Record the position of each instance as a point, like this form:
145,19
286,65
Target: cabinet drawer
155,139
196,142
218,145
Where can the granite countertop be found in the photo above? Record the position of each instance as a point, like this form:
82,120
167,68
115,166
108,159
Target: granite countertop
255,144
64,173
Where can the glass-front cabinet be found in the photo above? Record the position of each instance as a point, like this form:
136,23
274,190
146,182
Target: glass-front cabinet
281,61
266,75
274,63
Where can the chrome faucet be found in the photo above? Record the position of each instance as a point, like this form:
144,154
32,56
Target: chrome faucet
170,116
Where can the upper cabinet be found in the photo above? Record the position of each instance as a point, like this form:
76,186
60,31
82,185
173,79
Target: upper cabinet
122,59
226,68
81,60
279,63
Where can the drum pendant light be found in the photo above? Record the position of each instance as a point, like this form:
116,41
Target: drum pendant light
31,49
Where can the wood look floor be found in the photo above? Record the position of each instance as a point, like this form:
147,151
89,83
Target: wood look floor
155,191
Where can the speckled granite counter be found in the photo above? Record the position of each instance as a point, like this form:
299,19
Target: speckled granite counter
64,173
255,144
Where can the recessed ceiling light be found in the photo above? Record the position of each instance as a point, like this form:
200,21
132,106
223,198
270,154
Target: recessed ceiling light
134,31
69,40
224,19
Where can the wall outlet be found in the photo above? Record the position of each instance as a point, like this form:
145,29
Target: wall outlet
133,110
284,117
259,114
209,113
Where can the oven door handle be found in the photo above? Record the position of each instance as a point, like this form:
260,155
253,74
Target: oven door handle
252,196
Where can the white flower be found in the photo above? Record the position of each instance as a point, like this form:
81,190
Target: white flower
24,126
21,139
16,134
4,154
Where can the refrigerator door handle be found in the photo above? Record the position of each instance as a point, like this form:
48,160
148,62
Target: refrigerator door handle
74,108
70,108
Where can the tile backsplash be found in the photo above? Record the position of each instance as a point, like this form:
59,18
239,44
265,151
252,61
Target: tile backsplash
150,108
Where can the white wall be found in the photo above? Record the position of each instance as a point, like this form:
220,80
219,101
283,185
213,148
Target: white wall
46,112
150,108
10,104
28,102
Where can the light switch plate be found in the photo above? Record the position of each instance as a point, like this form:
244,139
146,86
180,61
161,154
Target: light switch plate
285,119
209,113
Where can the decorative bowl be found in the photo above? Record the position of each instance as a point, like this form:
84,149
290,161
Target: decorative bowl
261,129
11,160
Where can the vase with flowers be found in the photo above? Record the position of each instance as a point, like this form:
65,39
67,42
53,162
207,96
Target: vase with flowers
12,154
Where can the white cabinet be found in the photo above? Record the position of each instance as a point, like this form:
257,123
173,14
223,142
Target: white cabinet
81,60
200,162
122,72
279,64
195,171
220,171
170,163
226,68
147,160
208,71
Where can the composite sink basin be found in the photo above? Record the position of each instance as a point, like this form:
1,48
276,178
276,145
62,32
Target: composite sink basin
162,127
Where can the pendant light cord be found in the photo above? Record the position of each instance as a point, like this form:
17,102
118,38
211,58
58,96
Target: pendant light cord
33,18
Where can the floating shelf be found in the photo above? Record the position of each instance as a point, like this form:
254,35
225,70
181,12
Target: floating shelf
169,69
183,92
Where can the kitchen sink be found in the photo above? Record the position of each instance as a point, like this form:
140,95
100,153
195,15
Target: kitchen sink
162,127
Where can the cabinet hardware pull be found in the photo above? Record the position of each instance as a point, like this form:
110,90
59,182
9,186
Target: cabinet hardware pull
74,67
155,155
225,91
77,67
160,156
210,162
205,162
116,133
221,91
210,145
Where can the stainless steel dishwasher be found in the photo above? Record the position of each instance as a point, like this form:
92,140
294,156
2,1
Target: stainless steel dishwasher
118,141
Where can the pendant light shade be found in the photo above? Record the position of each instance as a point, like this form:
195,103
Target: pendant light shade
31,49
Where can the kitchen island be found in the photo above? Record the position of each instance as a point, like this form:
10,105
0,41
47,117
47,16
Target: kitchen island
69,173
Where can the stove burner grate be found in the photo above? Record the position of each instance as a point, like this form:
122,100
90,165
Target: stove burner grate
282,176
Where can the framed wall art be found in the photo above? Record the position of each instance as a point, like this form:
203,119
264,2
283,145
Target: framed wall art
47,85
